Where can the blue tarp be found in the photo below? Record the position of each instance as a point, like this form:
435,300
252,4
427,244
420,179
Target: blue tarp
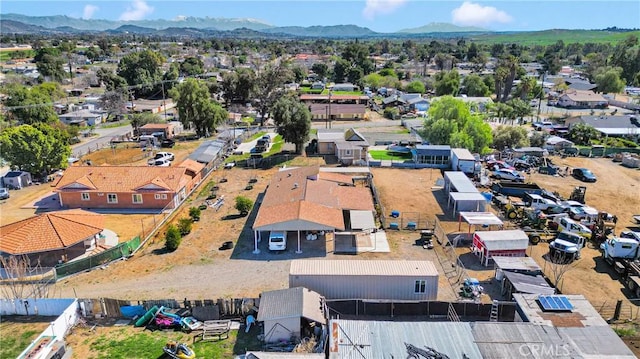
130,311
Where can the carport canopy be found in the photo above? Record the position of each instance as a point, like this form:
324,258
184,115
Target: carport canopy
479,218
467,201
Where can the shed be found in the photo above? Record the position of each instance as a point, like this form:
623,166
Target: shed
524,283
16,179
457,181
293,312
436,156
378,280
468,202
524,265
509,243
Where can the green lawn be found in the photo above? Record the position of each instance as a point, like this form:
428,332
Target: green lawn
548,37
386,155
131,342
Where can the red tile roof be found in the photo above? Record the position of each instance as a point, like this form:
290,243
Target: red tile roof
50,231
308,195
122,178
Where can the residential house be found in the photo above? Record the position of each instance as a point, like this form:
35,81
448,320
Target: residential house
53,237
582,99
293,312
127,188
335,112
349,147
580,84
432,156
84,117
153,106
162,130
195,170
611,125
307,199
16,179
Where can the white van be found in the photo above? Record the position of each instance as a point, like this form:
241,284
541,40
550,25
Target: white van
277,240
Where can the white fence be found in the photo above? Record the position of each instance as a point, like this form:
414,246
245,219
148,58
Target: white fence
65,309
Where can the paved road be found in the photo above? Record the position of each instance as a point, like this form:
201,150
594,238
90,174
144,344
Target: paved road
358,124
104,137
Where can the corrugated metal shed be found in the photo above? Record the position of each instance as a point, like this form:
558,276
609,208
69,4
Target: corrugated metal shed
526,340
582,315
362,267
207,151
378,339
504,240
457,181
463,154
289,303
373,280
470,201
523,283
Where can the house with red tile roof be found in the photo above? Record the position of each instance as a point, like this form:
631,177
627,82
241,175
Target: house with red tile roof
127,188
53,237
307,200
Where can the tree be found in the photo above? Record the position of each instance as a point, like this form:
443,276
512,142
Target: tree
510,137
18,268
243,205
37,148
293,121
504,76
185,225
194,213
143,70
269,87
114,102
415,87
519,108
191,66
538,138
582,134
50,64
320,69
447,83
474,86
608,80
196,107
480,134
110,80
172,238
29,106
140,119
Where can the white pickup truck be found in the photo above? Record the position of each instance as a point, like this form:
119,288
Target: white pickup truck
538,202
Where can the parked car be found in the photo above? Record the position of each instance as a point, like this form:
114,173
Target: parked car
542,125
168,143
160,163
4,193
584,175
507,174
164,156
583,213
494,165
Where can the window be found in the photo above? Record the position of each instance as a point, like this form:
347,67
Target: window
137,198
161,196
112,198
85,196
421,286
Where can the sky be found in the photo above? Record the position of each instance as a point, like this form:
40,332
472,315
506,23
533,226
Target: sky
377,15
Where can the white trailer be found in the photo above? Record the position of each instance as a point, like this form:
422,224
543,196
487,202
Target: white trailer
463,160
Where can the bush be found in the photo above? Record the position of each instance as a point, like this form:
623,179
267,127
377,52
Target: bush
243,205
195,212
184,225
391,113
172,238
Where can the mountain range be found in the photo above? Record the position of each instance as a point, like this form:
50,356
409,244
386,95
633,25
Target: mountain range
205,26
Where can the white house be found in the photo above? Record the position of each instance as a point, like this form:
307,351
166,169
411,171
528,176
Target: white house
82,118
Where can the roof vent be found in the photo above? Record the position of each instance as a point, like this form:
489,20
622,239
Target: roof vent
288,174
295,185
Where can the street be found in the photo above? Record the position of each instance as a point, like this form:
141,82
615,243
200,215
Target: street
104,137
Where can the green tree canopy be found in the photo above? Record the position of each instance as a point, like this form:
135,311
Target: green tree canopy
37,148
320,69
608,80
31,105
447,83
191,66
110,80
510,137
243,204
293,120
50,64
450,122
415,87
142,69
474,86
196,107
268,87
582,134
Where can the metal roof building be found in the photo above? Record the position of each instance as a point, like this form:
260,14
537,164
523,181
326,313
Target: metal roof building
207,151
383,280
583,313
509,243
457,181
282,312
381,339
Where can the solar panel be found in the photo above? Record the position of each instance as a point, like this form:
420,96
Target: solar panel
555,303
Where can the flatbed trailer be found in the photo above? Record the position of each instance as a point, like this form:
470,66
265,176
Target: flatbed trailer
629,271
538,235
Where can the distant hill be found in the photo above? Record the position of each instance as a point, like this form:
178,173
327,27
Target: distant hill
335,31
436,27
133,29
17,27
56,21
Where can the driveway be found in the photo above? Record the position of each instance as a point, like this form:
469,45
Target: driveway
246,147
104,138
